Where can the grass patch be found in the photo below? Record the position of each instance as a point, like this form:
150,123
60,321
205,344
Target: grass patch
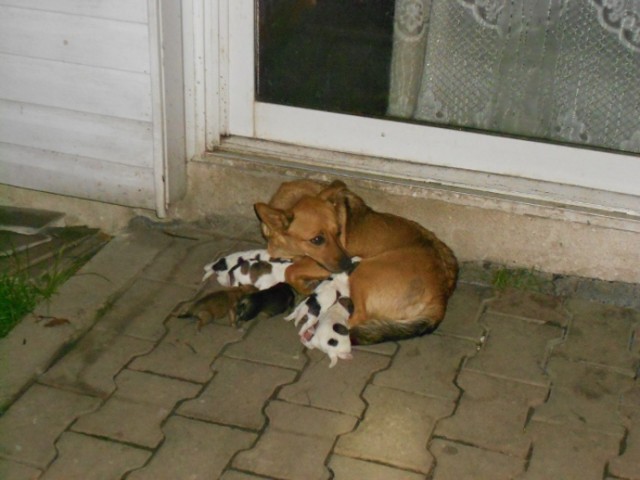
17,298
519,279
19,293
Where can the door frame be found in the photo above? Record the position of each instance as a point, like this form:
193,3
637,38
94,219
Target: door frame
219,84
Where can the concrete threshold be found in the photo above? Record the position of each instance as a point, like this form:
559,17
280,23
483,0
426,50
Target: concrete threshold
480,226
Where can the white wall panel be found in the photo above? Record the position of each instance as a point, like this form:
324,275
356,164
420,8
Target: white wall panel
75,39
77,176
111,139
125,10
76,87
76,100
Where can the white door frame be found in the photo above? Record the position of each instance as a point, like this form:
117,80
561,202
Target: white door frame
221,40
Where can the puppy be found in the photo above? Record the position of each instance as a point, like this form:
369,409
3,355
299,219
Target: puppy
330,334
216,305
272,301
400,288
324,296
253,267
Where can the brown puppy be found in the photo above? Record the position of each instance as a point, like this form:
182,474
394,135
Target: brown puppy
216,305
400,288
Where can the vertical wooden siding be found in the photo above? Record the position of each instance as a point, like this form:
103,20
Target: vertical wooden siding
75,99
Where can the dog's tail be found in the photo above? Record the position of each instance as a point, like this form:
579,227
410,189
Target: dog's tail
382,331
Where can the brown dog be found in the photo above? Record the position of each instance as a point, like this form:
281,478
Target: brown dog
400,288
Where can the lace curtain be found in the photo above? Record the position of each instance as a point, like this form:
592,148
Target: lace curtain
565,70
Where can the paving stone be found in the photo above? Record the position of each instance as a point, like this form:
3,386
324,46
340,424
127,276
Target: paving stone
201,449
492,413
17,471
34,422
532,305
142,310
82,457
427,366
111,269
563,452
94,361
601,334
630,399
635,341
235,475
584,395
187,352
339,388
273,341
141,402
384,348
395,429
237,393
296,443
24,354
183,262
345,468
515,349
463,311
627,464
455,461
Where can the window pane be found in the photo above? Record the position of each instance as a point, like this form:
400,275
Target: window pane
560,70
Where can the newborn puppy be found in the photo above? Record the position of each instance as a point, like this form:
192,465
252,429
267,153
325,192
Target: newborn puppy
272,301
324,296
330,334
253,267
216,305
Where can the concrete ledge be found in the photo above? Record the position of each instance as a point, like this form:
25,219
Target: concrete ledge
510,231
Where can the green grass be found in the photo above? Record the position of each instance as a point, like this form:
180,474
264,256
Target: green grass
19,294
17,298
519,279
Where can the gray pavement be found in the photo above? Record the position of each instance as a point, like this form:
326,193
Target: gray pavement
513,385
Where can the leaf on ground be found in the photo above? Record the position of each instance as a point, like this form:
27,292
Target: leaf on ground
54,321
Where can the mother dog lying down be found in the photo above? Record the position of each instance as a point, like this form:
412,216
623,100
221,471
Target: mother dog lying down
400,288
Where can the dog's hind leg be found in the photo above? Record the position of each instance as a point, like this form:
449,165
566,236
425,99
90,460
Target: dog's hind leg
383,331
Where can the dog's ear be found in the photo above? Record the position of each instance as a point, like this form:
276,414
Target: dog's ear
272,218
334,192
338,195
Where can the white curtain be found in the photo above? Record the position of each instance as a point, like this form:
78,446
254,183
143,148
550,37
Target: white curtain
565,70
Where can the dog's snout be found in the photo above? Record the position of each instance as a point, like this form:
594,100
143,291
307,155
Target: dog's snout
345,264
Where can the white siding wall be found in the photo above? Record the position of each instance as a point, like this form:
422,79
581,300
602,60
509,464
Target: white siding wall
76,99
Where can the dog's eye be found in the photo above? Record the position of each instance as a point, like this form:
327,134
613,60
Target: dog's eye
317,240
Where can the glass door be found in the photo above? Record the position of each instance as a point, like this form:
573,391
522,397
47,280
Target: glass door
545,90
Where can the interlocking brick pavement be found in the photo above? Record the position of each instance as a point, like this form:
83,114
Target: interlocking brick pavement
187,352
17,471
137,409
492,413
32,424
237,394
91,366
395,429
457,460
296,443
193,449
514,384
81,456
353,469
568,453
339,388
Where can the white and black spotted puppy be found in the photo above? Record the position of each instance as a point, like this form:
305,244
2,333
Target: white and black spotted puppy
330,334
323,297
253,267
